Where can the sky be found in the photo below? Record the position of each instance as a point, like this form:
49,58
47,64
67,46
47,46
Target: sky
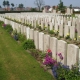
30,3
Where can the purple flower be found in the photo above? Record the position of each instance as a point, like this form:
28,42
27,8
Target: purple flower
48,60
4,25
60,56
65,66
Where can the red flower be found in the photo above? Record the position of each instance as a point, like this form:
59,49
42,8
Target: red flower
49,51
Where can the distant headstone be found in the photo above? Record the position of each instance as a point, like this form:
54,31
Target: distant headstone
72,32
66,30
61,30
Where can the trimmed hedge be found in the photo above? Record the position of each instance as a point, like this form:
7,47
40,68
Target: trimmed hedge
1,12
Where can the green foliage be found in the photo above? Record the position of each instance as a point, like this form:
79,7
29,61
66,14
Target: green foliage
33,9
1,22
67,37
12,4
73,15
56,33
16,63
8,28
39,27
61,6
51,32
70,6
21,5
4,3
14,32
17,11
68,74
22,37
19,36
28,44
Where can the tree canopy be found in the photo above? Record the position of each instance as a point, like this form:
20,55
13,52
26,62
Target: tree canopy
39,3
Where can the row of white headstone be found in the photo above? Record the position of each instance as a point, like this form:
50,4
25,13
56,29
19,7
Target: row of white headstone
64,25
70,52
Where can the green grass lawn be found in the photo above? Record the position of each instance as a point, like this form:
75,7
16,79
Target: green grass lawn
16,63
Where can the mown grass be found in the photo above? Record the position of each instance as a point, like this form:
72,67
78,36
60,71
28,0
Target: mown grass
16,63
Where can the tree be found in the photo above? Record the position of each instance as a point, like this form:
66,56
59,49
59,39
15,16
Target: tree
0,7
21,6
7,3
12,4
61,6
33,9
4,3
53,7
70,6
39,3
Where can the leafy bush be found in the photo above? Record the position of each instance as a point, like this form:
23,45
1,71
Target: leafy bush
28,44
48,60
16,37
60,71
1,22
67,36
51,32
22,37
63,72
19,36
8,28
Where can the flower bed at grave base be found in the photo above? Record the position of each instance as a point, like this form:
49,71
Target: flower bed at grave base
60,71
52,33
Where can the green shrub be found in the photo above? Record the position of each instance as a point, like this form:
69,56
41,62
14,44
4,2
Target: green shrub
15,32
1,22
22,37
8,28
68,74
28,44
51,32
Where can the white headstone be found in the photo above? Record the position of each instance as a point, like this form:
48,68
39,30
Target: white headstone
72,32
51,26
41,41
78,31
72,55
32,34
61,30
28,32
56,27
69,23
66,30
42,24
53,46
62,48
36,39
79,60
